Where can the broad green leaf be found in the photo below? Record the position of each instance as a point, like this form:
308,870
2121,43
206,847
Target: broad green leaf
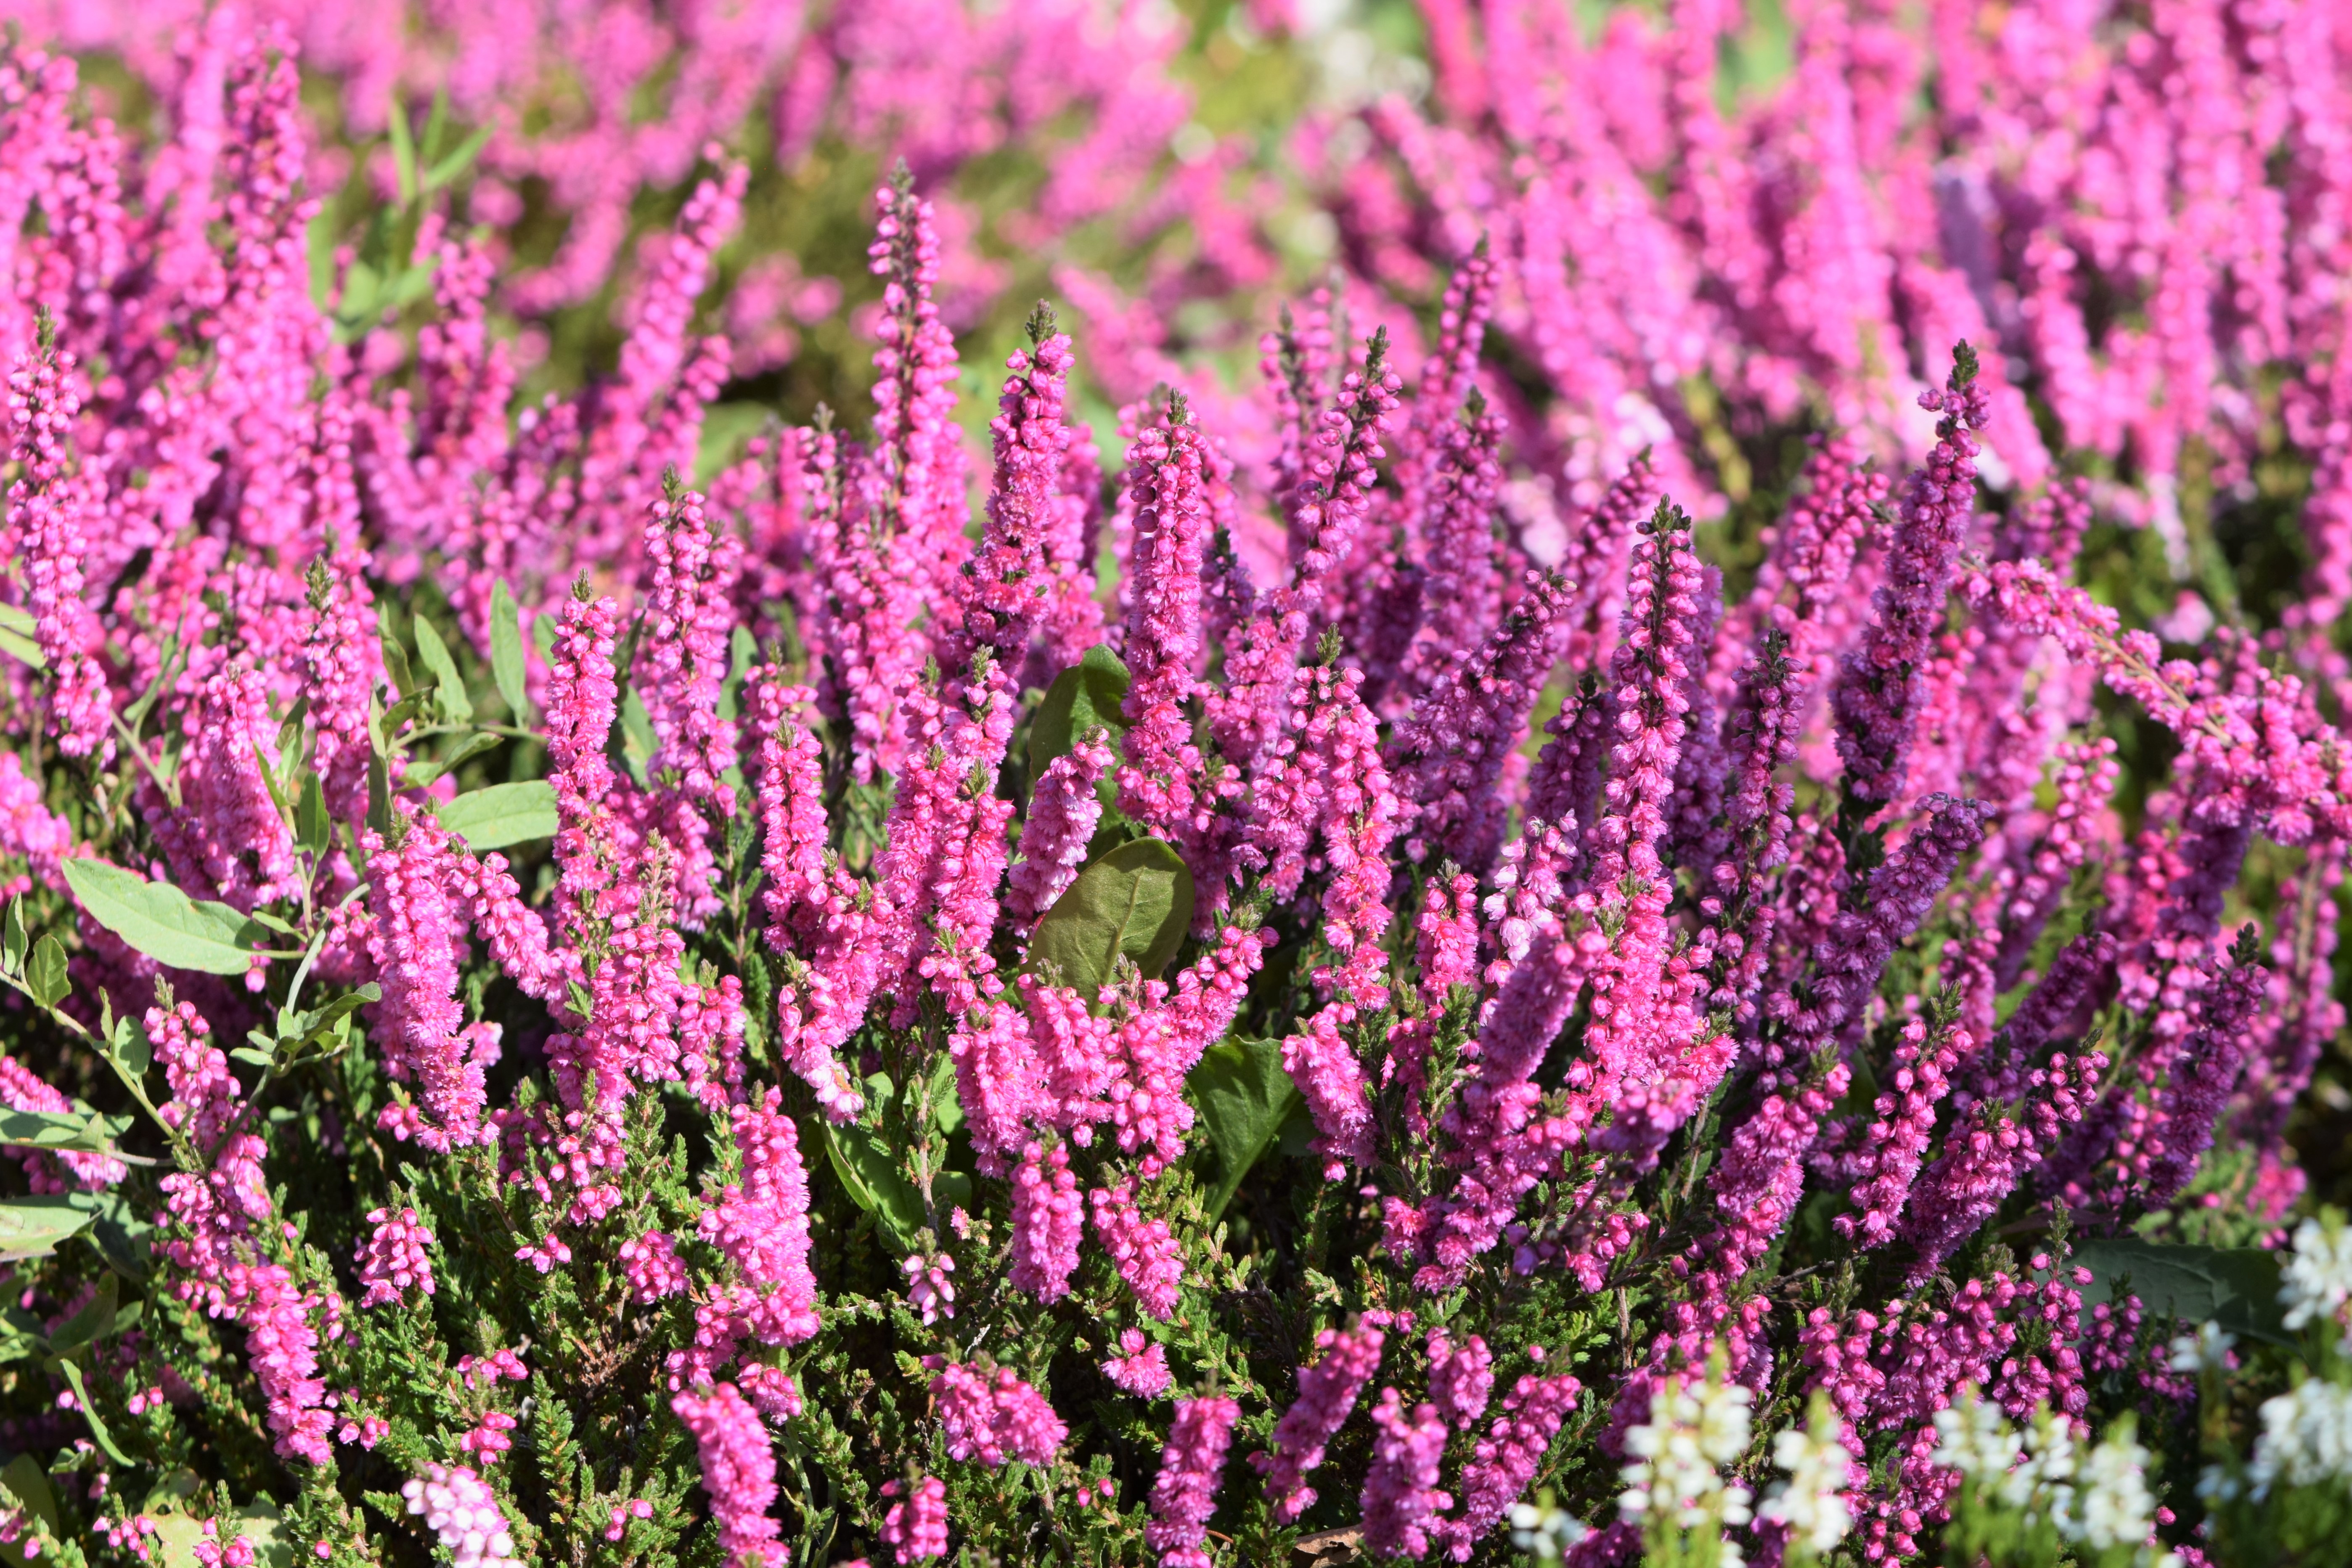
264,1529
1245,1097
130,1046
1083,698
82,1131
542,637
21,649
2235,1286
1137,900
502,814
47,973
874,1181
123,1237
31,1227
178,1535
67,1365
14,618
450,687
507,667
163,922
28,1483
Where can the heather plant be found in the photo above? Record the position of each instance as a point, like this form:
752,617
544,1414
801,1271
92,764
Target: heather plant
1660,898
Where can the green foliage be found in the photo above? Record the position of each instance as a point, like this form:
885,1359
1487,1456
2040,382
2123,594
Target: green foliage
1133,903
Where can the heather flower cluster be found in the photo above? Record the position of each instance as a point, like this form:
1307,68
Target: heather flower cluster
1595,813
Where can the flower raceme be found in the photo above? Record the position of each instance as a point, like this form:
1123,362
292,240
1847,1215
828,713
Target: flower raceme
839,997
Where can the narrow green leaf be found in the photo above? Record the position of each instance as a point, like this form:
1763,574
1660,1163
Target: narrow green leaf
1136,900
542,637
321,241
436,125
13,937
1084,698
313,828
163,922
1244,1098
425,771
31,1227
89,1412
456,707
502,814
742,648
396,655
379,814
507,667
458,161
46,974
637,741
404,153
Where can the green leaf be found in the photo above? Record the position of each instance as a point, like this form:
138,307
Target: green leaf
404,153
46,974
130,1048
502,814
1137,900
313,828
15,618
396,656
163,922
80,1131
122,1234
97,1427
742,648
28,1483
23,649
31,1227
13,937
1245,1097
2234,1287
457,163
874,1181
424,771
95,1319
321,241
638,743
1084,698
542,637
507,667
449,686
379,810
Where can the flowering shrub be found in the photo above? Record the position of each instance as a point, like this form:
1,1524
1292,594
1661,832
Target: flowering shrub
1667,899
